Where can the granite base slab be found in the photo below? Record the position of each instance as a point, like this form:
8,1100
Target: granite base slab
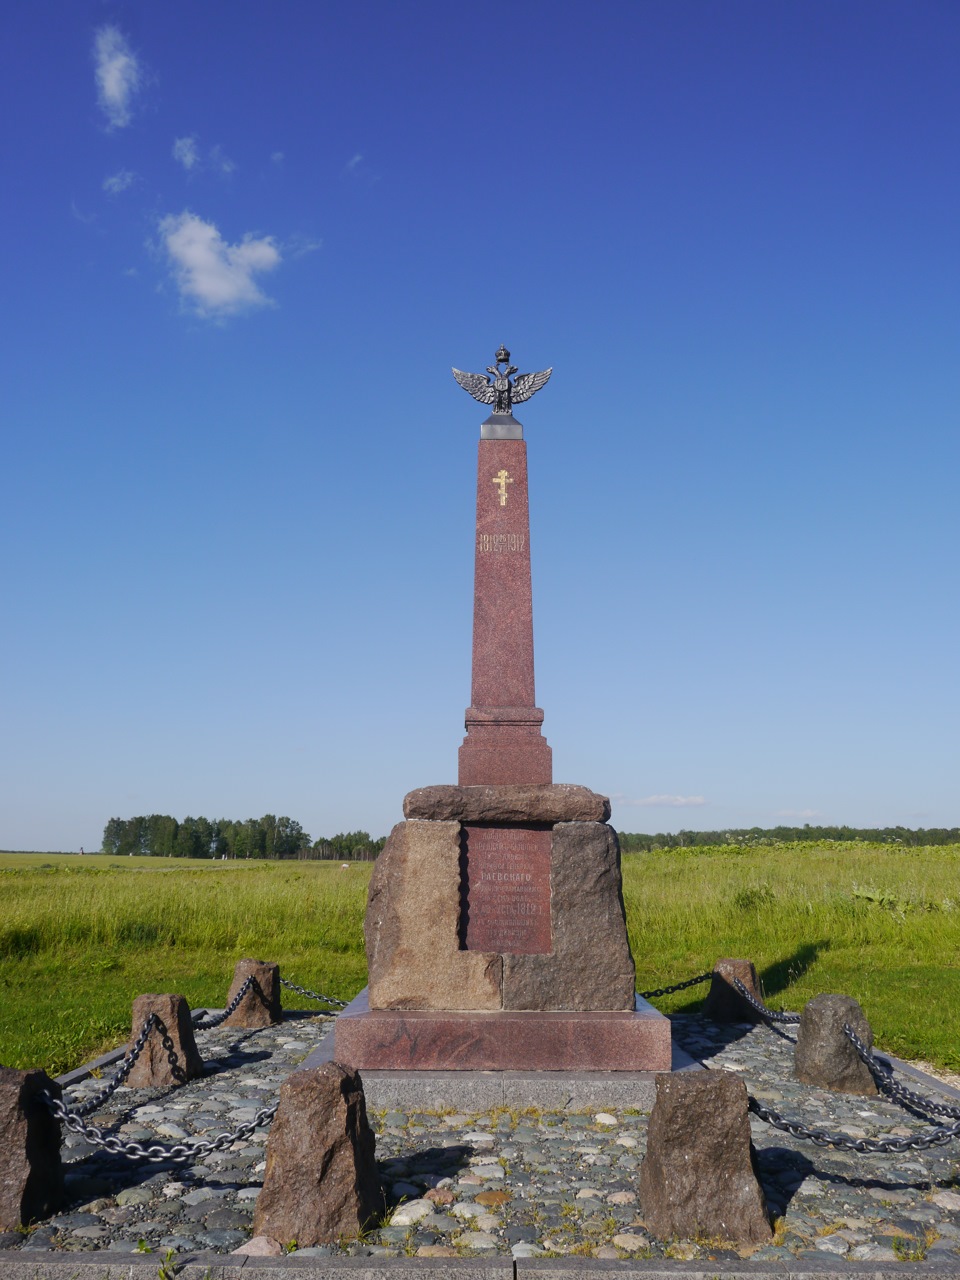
566,1061
475,1091
508,1040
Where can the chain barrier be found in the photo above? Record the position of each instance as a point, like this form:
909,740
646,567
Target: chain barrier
770,1014
886,1084
199,1023
72,1117
208,1023
877,1146
312,995
112,1085
155,1151
152,1020
677,986
935,1137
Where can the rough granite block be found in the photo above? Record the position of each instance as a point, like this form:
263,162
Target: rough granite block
412,925
31,1175
550,802
590,966
154,1066
260,1006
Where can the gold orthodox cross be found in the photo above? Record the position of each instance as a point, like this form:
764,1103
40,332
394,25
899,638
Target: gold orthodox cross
502,480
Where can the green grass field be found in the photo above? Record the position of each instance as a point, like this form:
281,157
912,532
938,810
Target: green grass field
79,938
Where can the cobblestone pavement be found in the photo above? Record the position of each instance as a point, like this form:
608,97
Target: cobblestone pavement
502,1182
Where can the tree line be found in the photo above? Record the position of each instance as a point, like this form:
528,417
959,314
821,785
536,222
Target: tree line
632,842
159,835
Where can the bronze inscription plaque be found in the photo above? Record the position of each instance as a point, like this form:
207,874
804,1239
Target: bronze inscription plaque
506,890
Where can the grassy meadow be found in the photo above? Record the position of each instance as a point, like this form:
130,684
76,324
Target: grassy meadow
80,937
875,921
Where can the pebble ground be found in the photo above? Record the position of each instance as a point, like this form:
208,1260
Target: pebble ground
523,1183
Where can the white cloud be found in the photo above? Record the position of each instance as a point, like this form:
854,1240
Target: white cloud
277,157
85,218
669,802
215,277
298,246
358,168
223,164
798,813
119,181
185,151
117,73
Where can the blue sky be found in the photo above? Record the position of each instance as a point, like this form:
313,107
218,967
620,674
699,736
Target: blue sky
245,244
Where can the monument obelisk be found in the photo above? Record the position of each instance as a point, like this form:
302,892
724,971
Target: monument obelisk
504,744
495,931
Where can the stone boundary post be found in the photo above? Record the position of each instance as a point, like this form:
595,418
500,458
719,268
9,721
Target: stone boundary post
31,1172
154,1066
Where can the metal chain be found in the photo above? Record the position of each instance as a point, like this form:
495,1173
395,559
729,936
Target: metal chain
152,1021
677,986
98,1099
72,1117
200,1024
770,1014
207,1024
879,1146
313,995
886,1083
155,1151
178,1072
938,1136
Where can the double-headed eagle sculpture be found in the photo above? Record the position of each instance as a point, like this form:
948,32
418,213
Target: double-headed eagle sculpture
498,390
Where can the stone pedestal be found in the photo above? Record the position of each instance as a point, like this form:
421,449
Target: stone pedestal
496,940
480,916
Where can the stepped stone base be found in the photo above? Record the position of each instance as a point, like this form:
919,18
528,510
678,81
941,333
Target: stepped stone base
413,1039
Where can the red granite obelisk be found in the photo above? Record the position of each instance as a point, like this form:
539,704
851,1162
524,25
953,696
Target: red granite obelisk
504,744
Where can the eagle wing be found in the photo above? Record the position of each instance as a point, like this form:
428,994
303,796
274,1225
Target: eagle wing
525,384
478,386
